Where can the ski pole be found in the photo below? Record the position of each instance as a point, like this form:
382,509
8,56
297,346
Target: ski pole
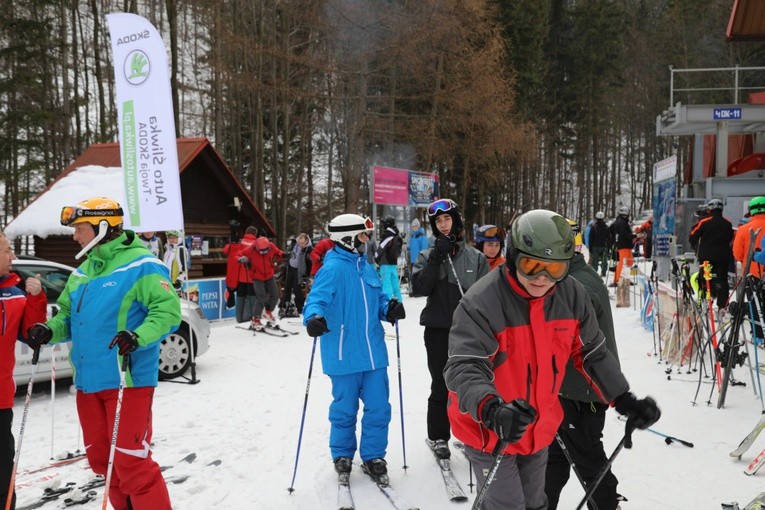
570,460
667,439
291,488
115,429
626,442
12,484
400,395
498,453
52,399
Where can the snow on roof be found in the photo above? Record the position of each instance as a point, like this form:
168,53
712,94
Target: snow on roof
41,217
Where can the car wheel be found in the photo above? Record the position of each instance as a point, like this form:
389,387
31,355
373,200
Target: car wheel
174,354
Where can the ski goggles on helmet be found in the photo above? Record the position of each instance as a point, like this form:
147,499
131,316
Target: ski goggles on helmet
443,205
531,267
71,214
490,234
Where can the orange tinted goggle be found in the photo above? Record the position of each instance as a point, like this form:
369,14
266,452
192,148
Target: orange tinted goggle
70,214
531,267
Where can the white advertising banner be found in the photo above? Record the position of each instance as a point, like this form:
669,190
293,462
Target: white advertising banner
146,126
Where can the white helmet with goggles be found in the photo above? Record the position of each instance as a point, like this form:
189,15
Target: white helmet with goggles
345,229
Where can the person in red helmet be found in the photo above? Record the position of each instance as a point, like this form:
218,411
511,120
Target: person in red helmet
261,256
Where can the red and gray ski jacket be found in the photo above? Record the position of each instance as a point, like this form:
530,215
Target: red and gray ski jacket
18,312
504,342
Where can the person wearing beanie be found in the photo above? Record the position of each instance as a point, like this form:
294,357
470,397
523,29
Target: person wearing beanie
418,241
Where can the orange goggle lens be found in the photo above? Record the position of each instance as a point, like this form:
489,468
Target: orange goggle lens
531,267
68,215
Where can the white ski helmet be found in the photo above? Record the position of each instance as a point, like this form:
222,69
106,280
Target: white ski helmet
344,229
600,215
624,211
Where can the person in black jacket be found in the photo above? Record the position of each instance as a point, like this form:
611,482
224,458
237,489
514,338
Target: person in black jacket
584,415
387,255
599,243
621,237
443,273
298,266
711,238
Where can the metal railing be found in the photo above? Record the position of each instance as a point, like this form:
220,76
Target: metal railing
731,83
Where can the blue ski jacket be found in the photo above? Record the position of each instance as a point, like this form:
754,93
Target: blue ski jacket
347,292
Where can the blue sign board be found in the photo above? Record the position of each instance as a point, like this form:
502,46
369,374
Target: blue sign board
209,294
727,114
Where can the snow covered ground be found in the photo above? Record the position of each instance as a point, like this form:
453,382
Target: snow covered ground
246,412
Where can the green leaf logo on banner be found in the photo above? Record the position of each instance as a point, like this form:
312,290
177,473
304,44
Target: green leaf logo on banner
137,67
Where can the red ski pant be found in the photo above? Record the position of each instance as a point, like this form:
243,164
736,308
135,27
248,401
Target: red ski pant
136,476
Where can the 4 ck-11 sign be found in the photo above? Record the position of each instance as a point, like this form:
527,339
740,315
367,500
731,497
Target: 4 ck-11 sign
394,186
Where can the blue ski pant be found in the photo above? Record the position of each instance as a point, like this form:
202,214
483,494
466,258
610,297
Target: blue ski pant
389,280
373,389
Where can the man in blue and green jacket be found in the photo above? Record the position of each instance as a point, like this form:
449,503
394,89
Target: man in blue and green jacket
121,297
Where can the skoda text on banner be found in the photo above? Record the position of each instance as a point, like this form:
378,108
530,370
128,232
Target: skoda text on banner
146,126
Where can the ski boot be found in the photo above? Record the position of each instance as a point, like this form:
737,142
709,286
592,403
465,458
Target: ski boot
343,467
439,447
256,325
270,319
377,469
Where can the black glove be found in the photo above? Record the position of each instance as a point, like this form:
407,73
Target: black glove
230,297
38,335
395,311
244,259
317,326
441,249
509,421
127,340
640,414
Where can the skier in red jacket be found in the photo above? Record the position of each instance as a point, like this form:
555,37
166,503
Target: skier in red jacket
261,268
19,311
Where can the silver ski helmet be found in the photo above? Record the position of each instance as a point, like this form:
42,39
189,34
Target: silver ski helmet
345,228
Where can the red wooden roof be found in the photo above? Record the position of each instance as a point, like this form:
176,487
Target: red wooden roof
108,155
747,21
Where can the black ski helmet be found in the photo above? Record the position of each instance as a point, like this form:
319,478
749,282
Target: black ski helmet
388,221
445,206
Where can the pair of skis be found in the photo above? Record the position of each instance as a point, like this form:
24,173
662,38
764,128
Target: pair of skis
345,497
451,484
748,441
78,494
273,330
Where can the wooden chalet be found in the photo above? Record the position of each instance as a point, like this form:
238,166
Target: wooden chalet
208,188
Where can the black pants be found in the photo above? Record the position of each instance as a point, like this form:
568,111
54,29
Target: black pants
7,453
292,285
582,432
437,347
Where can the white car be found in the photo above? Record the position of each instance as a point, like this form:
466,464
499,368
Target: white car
175,351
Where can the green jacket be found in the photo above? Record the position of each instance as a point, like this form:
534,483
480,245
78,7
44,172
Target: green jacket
120,286
575,386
